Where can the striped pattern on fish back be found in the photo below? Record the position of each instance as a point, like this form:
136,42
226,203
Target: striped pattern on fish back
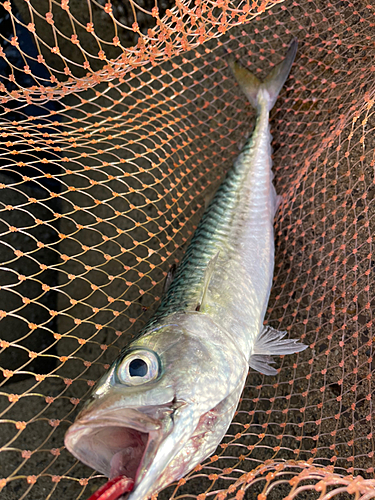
213,234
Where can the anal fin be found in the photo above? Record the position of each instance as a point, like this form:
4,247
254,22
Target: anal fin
271,342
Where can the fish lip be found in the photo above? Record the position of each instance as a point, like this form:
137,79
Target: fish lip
79,435
123,417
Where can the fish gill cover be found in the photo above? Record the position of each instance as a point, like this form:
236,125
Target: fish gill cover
118,120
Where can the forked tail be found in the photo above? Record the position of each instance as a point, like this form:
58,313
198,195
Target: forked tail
264,92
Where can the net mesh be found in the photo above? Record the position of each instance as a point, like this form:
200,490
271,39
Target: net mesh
118,121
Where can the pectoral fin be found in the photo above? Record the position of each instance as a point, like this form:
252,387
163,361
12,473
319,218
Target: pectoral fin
207,278
271,342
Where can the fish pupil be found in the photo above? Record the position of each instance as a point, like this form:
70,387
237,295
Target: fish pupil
137,368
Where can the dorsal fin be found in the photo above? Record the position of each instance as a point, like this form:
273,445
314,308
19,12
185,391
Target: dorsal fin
206,281
170,277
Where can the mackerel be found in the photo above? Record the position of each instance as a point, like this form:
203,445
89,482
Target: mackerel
168,399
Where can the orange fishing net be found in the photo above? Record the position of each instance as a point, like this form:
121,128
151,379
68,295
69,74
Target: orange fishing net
118,120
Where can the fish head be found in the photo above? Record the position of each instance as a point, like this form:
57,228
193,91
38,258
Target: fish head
162,407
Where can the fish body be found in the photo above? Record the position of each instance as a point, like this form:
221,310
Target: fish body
168,399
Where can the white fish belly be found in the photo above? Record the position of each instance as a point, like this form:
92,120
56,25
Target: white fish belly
241,284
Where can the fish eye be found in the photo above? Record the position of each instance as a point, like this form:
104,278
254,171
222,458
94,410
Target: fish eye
138,367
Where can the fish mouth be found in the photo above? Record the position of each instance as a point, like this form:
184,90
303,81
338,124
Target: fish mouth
120,442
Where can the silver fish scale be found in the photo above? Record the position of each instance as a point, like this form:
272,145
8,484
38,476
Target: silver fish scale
214,233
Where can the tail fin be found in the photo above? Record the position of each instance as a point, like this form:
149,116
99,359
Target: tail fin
270,87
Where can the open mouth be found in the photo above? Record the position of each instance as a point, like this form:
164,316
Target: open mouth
120,448
114,443
132,447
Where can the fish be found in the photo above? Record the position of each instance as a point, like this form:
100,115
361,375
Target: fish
168,399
